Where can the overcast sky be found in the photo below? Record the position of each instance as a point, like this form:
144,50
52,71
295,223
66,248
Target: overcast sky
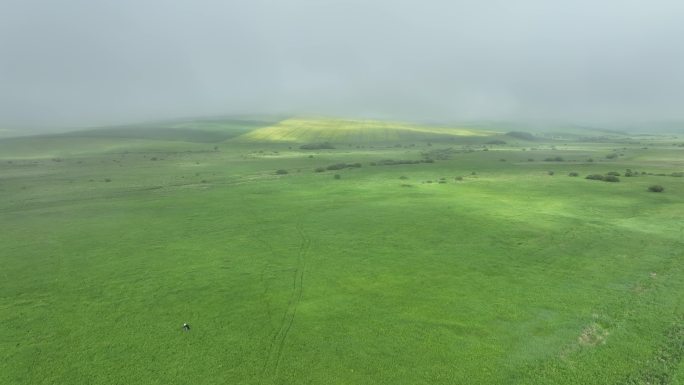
83,62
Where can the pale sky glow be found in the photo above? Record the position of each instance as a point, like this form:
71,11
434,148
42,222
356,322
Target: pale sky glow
81,62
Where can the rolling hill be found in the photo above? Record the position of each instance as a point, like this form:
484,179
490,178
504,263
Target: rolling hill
303,130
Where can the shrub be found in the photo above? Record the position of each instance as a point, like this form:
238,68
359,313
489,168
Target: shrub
341,166
317,146
521,135
554,159
319,169
594,177
496,141
573,174
403,177
107,180
337,166
590,160
337,176
656,188
530,160
613,173
611,156
551,172
459,178
281,172
611,178
392,162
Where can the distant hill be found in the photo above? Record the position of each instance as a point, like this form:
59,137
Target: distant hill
313,130
187,133
198,130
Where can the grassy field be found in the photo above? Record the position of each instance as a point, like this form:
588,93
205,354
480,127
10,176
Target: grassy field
470,264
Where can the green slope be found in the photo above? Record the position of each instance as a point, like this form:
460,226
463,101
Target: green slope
199,134
308,130
477,268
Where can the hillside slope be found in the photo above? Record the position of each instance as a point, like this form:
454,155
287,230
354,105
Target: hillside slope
301,130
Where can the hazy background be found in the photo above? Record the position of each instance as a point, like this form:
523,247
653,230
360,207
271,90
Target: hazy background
89,62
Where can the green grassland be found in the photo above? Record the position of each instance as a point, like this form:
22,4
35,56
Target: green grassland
469,265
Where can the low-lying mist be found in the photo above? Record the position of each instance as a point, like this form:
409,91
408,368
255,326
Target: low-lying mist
83,63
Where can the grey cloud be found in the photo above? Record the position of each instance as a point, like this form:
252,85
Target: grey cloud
82,62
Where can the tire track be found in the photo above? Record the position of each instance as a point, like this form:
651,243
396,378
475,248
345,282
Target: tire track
275,352
267,266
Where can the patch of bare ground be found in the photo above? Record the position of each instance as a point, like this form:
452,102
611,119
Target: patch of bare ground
593,335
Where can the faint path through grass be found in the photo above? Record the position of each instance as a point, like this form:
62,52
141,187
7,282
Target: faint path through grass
279,339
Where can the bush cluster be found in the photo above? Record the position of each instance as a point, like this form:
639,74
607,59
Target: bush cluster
439,154
341,166
521,135
338,166
496,141
317,146
392,162
605,178
656,188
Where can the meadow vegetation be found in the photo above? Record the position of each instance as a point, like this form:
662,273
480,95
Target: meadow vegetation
449,267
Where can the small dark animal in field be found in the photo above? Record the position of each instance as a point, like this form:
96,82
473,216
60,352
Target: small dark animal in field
186,327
